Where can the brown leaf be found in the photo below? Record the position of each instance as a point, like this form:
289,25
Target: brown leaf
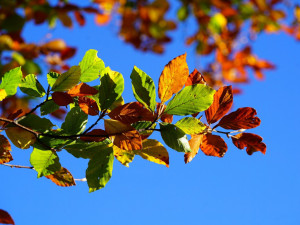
95,132
5,149
223,99
243,118
62,98
213,145
131,113
62,178
82,89
195,145
67,53
89,106
20,138
167,118
79,18
252,142
126,137
5,218
173,77
195,78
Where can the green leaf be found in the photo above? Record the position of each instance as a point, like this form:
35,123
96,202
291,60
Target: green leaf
99,169
45,162
52,77
75,121
31,86
67,80
90,66
142,125
143,88
11,80
86,150
191,125
36,123
191,99
111,88
174,137
31,67
53,142
48,107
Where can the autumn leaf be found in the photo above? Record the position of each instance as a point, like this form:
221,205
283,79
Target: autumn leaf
243,118
88,105
195,78
5,149
62,178
95,132
131,113
3,94
62,98
123,156
19,137
126,137
223,99
82,89
5,218
213,145
251,142
195,143
173,78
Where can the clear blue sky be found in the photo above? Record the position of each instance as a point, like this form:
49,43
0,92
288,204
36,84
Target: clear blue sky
234,190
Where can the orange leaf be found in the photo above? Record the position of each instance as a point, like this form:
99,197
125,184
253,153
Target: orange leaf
194,144
223,99
82,89
102,19
213,145
89,106
173,77
195,78
126,137
95,132
167,118
56,45
5,218
131,113
62,178
243,118
62,98
5,149
252,142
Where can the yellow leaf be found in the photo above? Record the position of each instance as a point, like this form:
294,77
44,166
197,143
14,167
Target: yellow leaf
126,137
5,149
20,137
123,156
154,151
173,78
3,94
62,178
195,145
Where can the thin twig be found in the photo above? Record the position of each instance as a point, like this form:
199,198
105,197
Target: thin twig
100,117
17,166
82,179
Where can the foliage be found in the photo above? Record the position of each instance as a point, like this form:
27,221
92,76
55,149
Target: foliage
127,127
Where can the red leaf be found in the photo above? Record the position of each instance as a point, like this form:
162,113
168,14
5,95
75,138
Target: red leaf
243,118
195,78
213,145
67,53
131,113
89,106
194,144
79,18
62,98
82,89
59,114
252,142
223,99
95,132
62,178
5,218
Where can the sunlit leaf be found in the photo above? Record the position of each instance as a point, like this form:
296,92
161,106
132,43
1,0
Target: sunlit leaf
251,142
19,137
5,149
191,125
123,156
62,178
195,78
88,105
3,94
195,143
213,145
31,86
52,77
82,89
11,80
75,126
67,80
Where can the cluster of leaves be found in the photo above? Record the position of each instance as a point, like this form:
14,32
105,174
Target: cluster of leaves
126,132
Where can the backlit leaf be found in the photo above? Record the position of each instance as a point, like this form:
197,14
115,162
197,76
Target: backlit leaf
20,137
174,137
195,78
213,145
82,89
191,99
5,218
52,77
223,99
75,126
48,107
126,137
191,125
67,80
5,149
251,142
11,80
91,66
143,88
31,86
195,143
88,105
243,118
62,98
45,162
62,178
123,156
141,127
95,132
154,151
36,123
173,78
3,94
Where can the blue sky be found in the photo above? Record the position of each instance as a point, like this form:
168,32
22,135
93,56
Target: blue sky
237,189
